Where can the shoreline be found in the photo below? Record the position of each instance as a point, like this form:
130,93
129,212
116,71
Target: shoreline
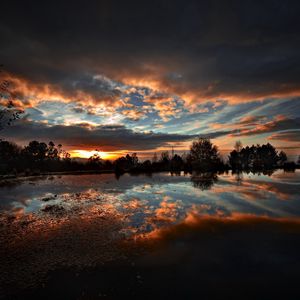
23,176
134,172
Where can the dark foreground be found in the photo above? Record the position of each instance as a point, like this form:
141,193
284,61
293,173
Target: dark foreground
202,258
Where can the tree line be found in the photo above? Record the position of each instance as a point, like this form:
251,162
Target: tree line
257,157
38,157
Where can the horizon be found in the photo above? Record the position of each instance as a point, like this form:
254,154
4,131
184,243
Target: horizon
146,155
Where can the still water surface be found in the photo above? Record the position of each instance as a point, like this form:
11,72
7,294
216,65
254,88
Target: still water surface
91,236
168,195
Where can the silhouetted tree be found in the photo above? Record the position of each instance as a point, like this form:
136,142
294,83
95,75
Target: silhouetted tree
235,156
8,111
289,166
282,158
9,157
235,160
154,159
128,162
267,156
176,162
52,152
238,146
165,157
36,151
9,151
134,159
256,157
146,166
107,165
204,155
94,161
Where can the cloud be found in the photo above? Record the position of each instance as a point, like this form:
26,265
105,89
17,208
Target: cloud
190,67
288,136
279,123
166,105
85,136
242,124
87,89
133,114
251,120
196,51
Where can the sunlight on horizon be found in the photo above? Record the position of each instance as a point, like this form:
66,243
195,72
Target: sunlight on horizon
88,154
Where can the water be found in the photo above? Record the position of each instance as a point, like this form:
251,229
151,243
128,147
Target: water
171,196
139,231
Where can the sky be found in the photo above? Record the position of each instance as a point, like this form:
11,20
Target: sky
145,76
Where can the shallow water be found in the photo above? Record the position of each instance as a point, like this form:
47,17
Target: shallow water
125,236
169,196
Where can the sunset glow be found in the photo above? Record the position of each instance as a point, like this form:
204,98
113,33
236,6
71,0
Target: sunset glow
88,154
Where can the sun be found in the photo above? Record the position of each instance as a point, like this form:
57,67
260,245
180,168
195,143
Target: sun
87,154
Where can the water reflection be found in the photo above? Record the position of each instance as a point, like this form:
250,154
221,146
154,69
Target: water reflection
88,220
239,177
273,194
204,181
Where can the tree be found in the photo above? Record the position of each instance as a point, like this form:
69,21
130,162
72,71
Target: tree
176,162
235,157
52,152
268,155
154,158
95,161
203,154
9,157
234,160
9,151
165,157
134,159
256,157
36,151
8,111
238,146
66,156
126,163
282,158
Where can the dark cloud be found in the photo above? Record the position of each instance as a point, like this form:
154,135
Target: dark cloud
210,48
99,87
107,137
291,135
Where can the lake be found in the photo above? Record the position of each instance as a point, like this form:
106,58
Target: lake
151,236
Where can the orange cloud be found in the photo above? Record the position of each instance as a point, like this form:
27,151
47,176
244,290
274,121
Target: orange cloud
280,122
29,94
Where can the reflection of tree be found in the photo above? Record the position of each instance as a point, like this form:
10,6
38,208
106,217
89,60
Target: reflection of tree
204,181
239,177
